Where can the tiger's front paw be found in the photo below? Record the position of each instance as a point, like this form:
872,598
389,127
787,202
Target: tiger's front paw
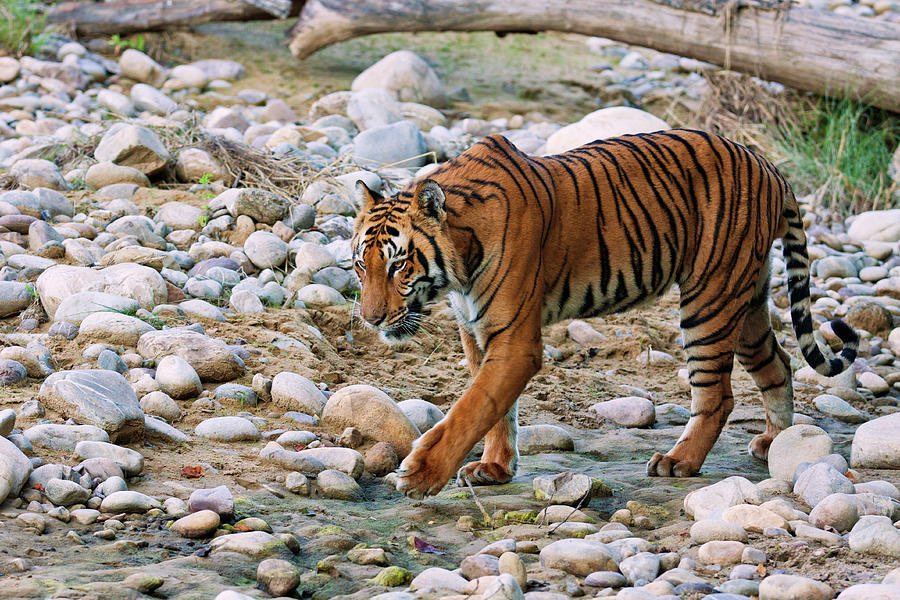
428,467
483,473
666,465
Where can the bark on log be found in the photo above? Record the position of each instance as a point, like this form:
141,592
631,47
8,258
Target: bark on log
131,16
811,50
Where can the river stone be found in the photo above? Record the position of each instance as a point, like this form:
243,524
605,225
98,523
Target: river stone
77,307
265,249
97,397
14,469
131,461
210,357
218,499
826,538
794,445
565,488
729,492
373,413
7,421
100,468
720,552
274,453
578,557
537,439
870,591
821,480
423,414
337,484
227,429
317,295
63,492
11,373
160,404
838,408
202,523
143,284
601,124
345,460
146,97
260,205
134,146
15,297
399,143
877,225
876,444
381,459
753,518
107,173
38,173
406,76
136,65
113,328
255,544
177,378
435,578
291,391
874,534
277,576
180,215
707,530
127,501
793,587
63,437
630,411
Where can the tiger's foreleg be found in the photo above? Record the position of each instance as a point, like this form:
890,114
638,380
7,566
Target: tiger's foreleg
500,458
510,362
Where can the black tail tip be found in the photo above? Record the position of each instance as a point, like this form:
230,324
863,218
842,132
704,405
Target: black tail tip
846,333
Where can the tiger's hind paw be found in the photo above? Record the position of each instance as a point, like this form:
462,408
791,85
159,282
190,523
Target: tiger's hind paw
664,465
483,473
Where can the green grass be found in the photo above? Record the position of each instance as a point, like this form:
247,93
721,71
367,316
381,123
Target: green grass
840,150
21,24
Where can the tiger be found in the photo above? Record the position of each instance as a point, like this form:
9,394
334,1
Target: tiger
517,242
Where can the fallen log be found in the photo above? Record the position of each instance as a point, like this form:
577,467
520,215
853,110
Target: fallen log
816,51
131,16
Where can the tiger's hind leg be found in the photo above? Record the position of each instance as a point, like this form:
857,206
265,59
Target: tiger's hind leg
770,367
501,456
711,328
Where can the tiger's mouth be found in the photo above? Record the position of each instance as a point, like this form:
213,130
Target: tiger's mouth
402,330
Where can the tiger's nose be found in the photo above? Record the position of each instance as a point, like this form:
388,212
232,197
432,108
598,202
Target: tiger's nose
374,320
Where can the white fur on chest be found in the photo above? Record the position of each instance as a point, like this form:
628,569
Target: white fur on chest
465,309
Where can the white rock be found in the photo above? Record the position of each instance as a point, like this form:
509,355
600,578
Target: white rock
629,411
877,225
603,123
405,75
876,444
578,557
227,429
143,284
794,445
113,328
373,413
721,495
422,413
14,469
265,249
291,391
177,378
874,534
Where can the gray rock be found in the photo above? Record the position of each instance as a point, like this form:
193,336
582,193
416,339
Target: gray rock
101,398
297,483
77,307
147,97
876,444
317,295
605,579
100,468
210,358
436,578
406,76
201,309
162,405
255,544
345,460
565,488
291,391
14,469
246,302
707,530
578,557
794,445
721,495
158,428
423,414
128,502
373,413
7,421
38,173
111,486
875,534
12,373
217,499
227,429
287,459
111,361
839,409
788,587
630,411
134,146
537,439
131,461
116,102
277,576
260,205
177,378
870,591
62,492
63,437
142,283
136,65
265,249
821,480
337,484
199,524
640,569
399,143
15,297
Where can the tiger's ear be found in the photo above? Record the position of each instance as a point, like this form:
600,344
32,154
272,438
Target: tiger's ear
367,199
428,200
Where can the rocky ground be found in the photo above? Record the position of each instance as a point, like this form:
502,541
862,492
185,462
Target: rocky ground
190,410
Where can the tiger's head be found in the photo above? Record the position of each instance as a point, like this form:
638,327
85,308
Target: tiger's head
403,255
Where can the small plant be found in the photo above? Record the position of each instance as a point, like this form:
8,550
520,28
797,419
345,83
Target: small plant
205,179
21,27
118,43
203,220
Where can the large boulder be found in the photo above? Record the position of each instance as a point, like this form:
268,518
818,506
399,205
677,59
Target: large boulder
601,124
136,65
291,391
406,76
141,283
876,444
96,397
374,413
876,225
399,143
210,357
113,328
77,307
14,469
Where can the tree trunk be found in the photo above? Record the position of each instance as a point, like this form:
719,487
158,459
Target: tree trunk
811,50
131,16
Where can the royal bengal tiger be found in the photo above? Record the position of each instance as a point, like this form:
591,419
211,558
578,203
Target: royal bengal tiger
517,242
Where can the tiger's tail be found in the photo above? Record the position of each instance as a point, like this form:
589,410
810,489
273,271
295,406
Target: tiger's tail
798,289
